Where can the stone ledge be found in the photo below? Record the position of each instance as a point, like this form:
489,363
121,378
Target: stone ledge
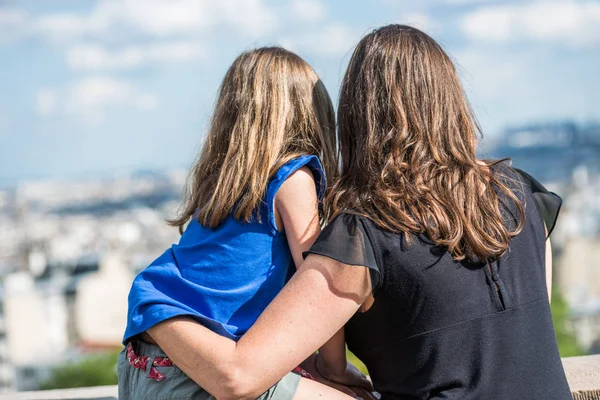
95,393
583,374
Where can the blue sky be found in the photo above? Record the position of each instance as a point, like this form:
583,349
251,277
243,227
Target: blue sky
95,86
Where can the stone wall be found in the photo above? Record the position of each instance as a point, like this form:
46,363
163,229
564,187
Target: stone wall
583,374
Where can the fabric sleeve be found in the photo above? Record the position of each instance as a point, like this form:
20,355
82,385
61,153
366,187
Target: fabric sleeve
547,203
345,239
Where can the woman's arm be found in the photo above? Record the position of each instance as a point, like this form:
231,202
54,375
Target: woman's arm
319,299
549,269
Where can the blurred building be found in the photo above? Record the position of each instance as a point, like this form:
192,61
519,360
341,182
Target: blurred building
36,321
566,158
6,370
73,250
60,315
100,308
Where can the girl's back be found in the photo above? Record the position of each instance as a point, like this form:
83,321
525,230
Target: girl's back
272,117
224,276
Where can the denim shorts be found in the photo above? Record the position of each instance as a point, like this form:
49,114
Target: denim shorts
145,373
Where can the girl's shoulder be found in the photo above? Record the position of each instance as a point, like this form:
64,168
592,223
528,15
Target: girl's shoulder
312,162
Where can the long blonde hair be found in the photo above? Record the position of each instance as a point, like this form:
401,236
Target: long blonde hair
407,141
271,108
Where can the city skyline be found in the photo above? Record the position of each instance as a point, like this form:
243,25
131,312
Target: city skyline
99,86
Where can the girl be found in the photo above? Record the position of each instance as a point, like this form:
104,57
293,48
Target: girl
444,255
251,209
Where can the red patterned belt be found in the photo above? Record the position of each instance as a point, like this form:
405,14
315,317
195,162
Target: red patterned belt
303,373
141,362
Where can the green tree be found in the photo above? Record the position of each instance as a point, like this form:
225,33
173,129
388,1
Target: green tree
567,342
96,370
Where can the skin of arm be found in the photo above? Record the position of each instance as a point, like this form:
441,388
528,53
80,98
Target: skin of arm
548,267
297,212
286,333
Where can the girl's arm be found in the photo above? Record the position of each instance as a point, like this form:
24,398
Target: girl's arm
286,333
331,364
548,266
297,212
331,361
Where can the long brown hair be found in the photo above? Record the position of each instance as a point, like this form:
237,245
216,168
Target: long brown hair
407,138
271,107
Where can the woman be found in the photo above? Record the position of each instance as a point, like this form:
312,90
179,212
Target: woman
435,263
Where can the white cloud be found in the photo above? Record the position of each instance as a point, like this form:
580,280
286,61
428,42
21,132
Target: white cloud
252,17
567,22
111,19
11,24
175,29
156,18
64,26
45,102
464,2
418,20
330,41
4,122
94,57
12,17
90,98
307,10
487,74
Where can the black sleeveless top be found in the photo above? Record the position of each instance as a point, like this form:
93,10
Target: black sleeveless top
441,329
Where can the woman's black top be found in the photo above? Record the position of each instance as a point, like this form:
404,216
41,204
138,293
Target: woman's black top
441,329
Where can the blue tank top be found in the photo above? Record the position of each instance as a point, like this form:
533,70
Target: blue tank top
223,277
